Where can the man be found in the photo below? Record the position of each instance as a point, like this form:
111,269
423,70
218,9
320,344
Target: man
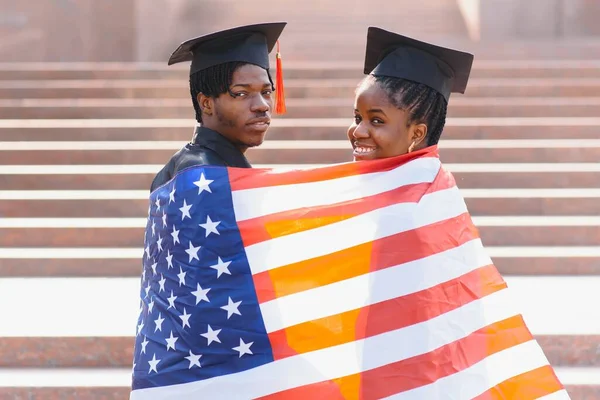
232,93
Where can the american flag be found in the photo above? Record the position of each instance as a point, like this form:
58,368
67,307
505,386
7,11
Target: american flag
363,280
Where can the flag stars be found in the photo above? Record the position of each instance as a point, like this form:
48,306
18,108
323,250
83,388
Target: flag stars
161,284
171,300
185,319
171,341
243,348
175,235
192,252
147,290
164,219
144,344
140,327
181,276
153,266
203,184
172,196
153,364
150,306
212,335
232,308
210,226
221,267
169,259
185,210
147,251
159,243
158,323
153,228
200,294
194,360
157,204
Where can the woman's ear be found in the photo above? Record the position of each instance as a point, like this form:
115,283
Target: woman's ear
417,135
206,104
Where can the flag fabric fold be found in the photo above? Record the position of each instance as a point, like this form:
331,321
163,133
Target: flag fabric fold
363,280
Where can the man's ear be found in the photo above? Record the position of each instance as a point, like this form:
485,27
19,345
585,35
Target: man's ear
207,104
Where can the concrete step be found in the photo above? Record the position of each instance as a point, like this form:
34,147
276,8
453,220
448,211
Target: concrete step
117,262
288,129
139,177
109,384
31,153
519,67
294,88
112,231
117,352
134,204
297,108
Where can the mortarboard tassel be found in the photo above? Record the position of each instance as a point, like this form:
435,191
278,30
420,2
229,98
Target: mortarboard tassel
279,89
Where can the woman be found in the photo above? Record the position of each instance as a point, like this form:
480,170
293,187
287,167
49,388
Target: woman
401,105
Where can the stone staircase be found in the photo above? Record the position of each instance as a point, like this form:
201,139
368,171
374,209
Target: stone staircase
80,143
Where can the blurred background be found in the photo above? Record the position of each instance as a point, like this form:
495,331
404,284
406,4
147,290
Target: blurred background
89,112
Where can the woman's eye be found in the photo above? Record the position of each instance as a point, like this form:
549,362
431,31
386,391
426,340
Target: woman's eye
239,94
376,121
268,92
357,119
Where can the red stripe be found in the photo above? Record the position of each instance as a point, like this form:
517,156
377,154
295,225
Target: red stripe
246,178
383,253
427,368
386,316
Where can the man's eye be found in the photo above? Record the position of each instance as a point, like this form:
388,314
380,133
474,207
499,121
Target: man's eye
357,119
376,121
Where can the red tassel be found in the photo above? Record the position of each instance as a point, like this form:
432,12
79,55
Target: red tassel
279,89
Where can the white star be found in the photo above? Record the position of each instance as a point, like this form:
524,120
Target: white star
211,335
153,266
164,219
140,326
243,348
147,251
171,300
181,276
203,184
232,308
185,318
221,267
161,283
194,360
172,195
175,235
159,243
147,289
143,274
193,252
158,322
210,226
200,294
185,210
157,204
153,228
150,306
171,341
144,344
169,258
153,363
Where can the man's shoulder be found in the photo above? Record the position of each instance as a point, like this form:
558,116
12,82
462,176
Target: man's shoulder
194,155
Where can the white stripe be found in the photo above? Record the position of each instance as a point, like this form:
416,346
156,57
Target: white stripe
560,395
482,376
74,194
154,168
366,227
345,359
252,203
375,287
579,375
287,122
65,377
292,144
135,253
122,222
144,194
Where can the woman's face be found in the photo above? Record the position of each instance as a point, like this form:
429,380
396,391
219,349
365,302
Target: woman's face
380,129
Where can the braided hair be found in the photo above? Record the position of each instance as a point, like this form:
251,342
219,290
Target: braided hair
423,104
214,81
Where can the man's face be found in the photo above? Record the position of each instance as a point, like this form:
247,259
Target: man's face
245,115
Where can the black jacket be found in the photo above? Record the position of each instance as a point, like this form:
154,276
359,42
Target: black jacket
207,148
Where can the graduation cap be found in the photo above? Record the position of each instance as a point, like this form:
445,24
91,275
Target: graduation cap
250,44
442,69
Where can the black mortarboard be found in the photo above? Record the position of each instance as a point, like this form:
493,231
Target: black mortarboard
250,43
444,70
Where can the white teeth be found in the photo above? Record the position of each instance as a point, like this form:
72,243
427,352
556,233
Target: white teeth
363,150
